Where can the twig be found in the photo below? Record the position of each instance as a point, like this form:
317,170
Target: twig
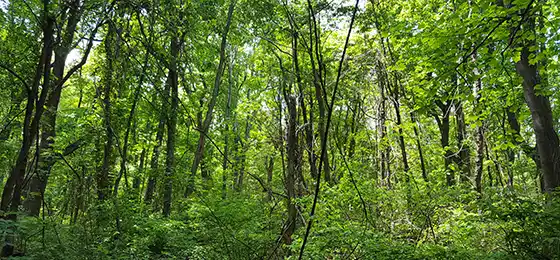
16,75
10,122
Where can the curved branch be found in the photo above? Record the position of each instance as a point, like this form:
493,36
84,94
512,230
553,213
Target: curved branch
16,75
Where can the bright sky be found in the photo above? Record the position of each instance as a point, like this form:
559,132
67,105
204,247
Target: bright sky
4,4
73,56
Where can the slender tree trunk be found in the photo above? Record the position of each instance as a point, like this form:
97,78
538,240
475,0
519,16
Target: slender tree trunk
139,178
269,171
322,118
103,182
443,125
384,144
464,160
208,119
479,158
354,128
11,195
308,124
396,104
488,168
154,162
317,67
291,173
47,158
479,131
243,155
173,82
419,146
129,125
226,132
479,141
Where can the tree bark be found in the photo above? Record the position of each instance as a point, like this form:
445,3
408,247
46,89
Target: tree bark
138,179
308,124
479,158
47,158
419,146
244,148
547,139
103,180
226,132
129,125
173,82
443,125
291,173
479,141
208,119
154,161
317,67
269,171
464,159
383,142
33,113
11,194
396,105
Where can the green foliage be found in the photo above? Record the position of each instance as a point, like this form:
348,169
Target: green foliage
429,89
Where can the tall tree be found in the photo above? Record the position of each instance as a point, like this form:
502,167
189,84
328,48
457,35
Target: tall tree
548,144
212,103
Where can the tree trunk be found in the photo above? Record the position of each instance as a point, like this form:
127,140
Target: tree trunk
322,117
139,178
443,125
317,67
308,124
242,158
488,168
419,146
208,119
130,119
47,158
33,113
547,139
244,149
103,182
173,81
226,132
464,160
354,128
396,104
269,171
291,173
383,142
11,194
479,158
479,141
154,162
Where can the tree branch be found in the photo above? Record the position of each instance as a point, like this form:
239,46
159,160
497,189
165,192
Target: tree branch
324,141
16,75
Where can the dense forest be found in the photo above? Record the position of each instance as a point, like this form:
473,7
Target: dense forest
280,129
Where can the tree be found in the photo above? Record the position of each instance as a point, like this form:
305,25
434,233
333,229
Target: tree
420,129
